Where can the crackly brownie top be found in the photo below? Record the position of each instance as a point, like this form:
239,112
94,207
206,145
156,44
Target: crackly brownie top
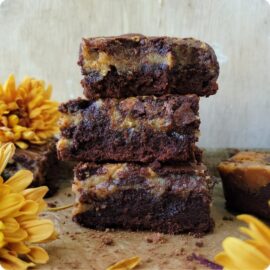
108,178
161,113
248,169
129,52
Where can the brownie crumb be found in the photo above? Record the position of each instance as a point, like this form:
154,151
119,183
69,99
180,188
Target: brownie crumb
52,204
156,238
178,252
199,244
107,240
228,218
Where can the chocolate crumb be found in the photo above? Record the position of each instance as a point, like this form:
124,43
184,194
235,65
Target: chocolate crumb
199,244
107,240
178,252
156,238
51,204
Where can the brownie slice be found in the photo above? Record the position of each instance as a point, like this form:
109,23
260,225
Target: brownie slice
168,199
41,160
137,129
246,183
136,65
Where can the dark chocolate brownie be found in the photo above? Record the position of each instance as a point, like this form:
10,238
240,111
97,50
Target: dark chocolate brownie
41,160
136,65
246,183
168,199
135,129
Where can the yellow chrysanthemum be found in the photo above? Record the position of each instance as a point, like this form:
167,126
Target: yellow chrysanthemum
20,225
253,254
27,115
126,264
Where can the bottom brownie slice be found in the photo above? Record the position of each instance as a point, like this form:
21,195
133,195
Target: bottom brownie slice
41,160
169,199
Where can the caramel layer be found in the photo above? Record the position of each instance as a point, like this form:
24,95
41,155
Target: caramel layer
248,169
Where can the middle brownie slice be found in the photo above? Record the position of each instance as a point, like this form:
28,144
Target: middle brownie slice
135,129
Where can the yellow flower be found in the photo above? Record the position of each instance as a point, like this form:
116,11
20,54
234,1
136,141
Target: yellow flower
27,115
20,225
250,254
126,264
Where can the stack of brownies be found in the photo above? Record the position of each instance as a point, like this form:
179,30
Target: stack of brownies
135,134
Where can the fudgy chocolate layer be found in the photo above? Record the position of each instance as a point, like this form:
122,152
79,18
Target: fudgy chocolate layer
254,202
141,129
136,65
169,199
41,160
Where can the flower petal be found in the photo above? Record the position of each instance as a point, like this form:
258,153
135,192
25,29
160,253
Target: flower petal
38,255
265,249
244,255
2,240
38,230
19,248
10,262
6,153
15,237
126,264
224,260
35,194
10,88
20,180
10,204
22,145
4,190
258,230
11,225
29,208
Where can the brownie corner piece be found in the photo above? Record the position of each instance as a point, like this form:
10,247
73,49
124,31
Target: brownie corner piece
41,160
169,199
246,183
135,65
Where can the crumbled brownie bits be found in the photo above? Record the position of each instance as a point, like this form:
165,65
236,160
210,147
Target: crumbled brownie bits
199,244
156,238
107,240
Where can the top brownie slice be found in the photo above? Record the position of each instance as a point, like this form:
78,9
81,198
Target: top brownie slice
134,65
